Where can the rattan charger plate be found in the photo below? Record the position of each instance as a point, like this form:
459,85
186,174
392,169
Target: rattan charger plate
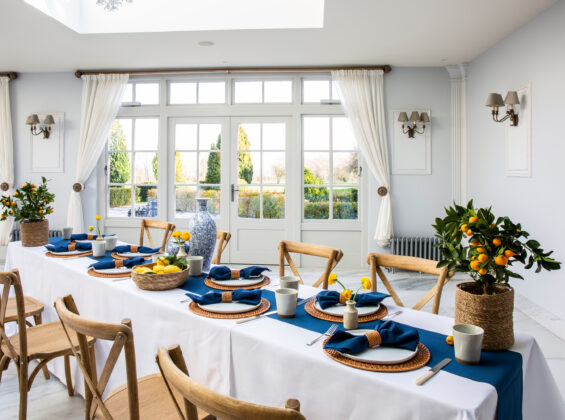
264,307
93,273
82,254
311,310
421,358
208,282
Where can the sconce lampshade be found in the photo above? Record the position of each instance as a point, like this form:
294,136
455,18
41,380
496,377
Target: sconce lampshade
414,116
32,119
49,120
402,117
511,98
424,117
494,99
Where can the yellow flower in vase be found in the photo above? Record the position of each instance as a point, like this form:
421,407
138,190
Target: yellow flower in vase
366,282
90,228
177,234
332,278
185,236
346,293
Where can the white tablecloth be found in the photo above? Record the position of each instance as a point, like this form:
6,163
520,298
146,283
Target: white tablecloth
267,361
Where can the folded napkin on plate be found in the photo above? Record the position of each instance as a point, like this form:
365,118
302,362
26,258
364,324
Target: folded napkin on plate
249,297
135,248
386,333
221,272
64,246
327,298
129,263
84,237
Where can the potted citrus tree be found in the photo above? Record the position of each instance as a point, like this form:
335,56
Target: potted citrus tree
474,241
29,205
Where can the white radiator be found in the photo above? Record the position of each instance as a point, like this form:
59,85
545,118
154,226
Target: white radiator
416,247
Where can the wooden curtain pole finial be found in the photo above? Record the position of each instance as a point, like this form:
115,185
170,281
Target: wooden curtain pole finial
78,187
382,191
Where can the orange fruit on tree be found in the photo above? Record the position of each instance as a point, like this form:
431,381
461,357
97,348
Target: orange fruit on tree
449,340
476,243
482,258
496,242
469,232
480,250
482,271
464,227
473,219
509,253
501,260
475,265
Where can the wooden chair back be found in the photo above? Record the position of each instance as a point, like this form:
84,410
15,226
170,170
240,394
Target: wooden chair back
9,280
333,256
122,337
223,239
174,371
376,261
147,224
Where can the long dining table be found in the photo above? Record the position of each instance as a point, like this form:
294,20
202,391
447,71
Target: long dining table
267,360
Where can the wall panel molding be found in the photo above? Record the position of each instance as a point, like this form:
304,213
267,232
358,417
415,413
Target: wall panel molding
458,79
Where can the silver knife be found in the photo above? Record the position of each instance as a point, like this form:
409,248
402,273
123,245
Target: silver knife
422,379
241,321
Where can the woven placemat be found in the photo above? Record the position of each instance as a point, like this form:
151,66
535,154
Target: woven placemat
93,273
420,360
264,307
311,310
83,254
208,282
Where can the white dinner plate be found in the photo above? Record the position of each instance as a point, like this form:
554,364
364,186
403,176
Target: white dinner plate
337,310
75,252
229,308
239,282
119,270
380,355
135,254
86,241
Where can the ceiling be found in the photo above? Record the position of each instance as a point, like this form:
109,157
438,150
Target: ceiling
396,32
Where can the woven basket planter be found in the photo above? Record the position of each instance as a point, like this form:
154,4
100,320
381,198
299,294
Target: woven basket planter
159,281
493,313
35,233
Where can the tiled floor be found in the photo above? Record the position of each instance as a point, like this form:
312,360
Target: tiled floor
48,399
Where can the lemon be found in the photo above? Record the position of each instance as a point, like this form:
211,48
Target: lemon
172,269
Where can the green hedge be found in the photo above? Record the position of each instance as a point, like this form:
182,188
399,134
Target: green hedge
120,196
143,192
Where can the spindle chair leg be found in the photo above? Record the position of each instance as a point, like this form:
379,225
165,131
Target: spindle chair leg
68,377
38,321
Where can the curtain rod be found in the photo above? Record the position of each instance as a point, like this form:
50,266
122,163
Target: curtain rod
11,74
385,68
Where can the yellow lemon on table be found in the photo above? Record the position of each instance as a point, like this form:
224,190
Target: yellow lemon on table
172,269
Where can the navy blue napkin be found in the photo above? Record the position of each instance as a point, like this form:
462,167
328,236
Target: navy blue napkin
143,249
129,263
250,297
327,298
392,335
221,272
63,246
84,236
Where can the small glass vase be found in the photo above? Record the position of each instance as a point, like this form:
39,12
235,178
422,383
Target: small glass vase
350,316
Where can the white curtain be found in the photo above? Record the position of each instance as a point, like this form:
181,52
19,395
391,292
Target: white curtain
361,93
101,95
6,153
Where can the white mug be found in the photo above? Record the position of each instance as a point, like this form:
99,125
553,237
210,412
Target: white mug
111,242
286,302
67,232
289,282
195,265
98,249
467,340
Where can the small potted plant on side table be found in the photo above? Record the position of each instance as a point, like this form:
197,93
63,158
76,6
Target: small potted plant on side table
474,241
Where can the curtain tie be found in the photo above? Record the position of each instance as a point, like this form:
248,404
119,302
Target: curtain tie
382,191
78,187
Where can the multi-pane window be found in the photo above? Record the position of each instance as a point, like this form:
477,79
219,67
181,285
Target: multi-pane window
145,93
261,170
132,167
262,91
197,166
331,168
318,90
209,92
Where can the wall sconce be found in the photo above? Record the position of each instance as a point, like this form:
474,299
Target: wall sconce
33,121
415,118
495,101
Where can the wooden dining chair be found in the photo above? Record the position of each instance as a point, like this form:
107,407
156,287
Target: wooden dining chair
43,342
143,398
223,239
376,261
147,224
197,397
333,256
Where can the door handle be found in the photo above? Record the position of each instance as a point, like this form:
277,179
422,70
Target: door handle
233,190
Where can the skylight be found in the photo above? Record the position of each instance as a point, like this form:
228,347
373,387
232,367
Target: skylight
86,17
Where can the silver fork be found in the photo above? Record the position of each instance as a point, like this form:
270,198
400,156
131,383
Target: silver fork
329,332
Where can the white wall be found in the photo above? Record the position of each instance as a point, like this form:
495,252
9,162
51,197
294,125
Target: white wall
47,93
533,53
417,199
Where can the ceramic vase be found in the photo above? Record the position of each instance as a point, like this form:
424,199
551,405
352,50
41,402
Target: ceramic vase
350,316
202,229
181,253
